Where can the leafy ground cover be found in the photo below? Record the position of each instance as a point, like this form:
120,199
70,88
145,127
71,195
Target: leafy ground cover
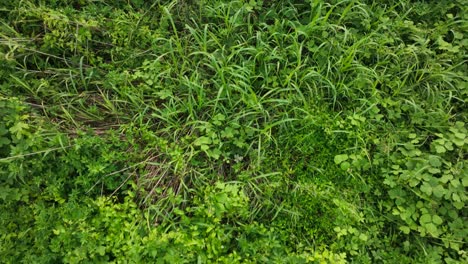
233,131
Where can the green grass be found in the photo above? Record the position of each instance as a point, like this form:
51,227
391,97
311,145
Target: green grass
233,131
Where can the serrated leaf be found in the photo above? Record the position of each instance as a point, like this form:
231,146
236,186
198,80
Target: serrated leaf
4,192
101,250
164,93
389,182
214,153
465,181
434,161
432,229
438,191
426,188
219,117
363,237
455,183
202,141
448,145
452,213
455,246
18,128
228,132
445,178
456,197
397,194
440,149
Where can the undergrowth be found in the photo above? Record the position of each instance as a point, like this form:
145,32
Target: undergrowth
233,131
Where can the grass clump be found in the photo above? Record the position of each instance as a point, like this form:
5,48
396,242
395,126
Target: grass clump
233,131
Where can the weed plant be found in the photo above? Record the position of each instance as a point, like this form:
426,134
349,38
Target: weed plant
233,131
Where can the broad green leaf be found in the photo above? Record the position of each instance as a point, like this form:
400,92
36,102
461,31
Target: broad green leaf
204,147
448,145
363,237
459,205
101,250
426,188
445,178
460,125
345,165
465,181
341,158
440,149
455,182
4,141
438,191
425,218
432,229
434,161
459,142
202,141
437,220
453,213
219,117
406,230
217,120
228,132
455,246
214,153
